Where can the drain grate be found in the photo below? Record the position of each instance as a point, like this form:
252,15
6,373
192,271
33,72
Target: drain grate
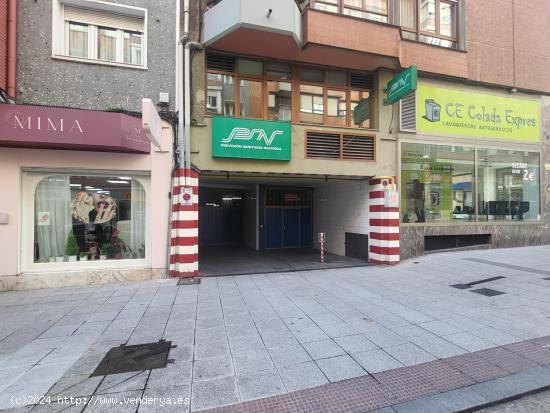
124,359
189,281
487,292
485,280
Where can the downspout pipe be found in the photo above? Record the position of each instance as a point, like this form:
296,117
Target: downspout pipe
184,108
12,44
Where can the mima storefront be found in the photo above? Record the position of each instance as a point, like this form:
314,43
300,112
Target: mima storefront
471,174
89,198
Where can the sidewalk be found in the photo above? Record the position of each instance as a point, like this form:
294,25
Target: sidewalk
378,336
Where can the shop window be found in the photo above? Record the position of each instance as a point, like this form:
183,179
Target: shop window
509,186
99,35
81,218
437,183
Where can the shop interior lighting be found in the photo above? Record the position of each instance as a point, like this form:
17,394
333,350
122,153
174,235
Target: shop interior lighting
118,182
124,177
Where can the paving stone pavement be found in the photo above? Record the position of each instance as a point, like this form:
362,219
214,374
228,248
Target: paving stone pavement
244,338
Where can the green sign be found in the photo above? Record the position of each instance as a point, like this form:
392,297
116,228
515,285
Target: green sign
443,111
251,139
361,112
401,85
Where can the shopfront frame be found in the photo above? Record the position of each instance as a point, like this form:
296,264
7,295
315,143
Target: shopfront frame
502,233
30,179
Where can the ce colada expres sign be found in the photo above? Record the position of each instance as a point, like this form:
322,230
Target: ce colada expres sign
447,111
250,139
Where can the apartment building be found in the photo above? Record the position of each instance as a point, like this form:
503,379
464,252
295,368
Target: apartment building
89,190
291,135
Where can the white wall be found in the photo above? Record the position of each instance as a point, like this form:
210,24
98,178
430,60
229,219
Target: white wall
340,207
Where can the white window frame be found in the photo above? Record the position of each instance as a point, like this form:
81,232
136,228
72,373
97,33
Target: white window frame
29,182
60,33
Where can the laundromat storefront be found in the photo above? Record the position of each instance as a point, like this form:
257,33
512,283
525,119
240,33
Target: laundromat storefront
474,163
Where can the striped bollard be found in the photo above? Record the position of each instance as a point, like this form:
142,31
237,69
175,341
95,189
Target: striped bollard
321,238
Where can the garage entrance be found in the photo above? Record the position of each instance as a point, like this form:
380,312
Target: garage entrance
261,225
288,218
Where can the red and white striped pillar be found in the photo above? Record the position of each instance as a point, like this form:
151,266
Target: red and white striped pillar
384,224
184,238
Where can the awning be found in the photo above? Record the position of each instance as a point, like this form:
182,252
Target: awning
28,126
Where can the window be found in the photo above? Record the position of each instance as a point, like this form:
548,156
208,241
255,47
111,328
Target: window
326,97
439,184
327,5
99,35
106,47
251,99
264,91
133,44
367,9
78,40
346,104
508,185
437,21
221,94
81,218
279,103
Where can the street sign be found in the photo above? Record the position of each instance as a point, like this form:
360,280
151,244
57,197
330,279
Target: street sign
401,85
186,196
251,139
361,112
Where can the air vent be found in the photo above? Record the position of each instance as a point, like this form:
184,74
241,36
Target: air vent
362,81
407,113
358,147
223,63
323,145
340,146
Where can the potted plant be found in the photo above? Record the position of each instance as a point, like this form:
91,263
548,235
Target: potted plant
71,247
83,256
116,247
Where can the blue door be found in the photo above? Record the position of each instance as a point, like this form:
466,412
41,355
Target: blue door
306,230
274,228
291,227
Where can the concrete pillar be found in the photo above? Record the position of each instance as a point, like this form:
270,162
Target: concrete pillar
184,238
383,224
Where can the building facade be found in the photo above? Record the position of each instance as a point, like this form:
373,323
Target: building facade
291,136
89,190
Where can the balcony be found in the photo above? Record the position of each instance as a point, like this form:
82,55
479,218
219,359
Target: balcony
255,27
336,36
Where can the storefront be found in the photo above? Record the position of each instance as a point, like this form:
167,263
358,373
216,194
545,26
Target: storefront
471,175
88,198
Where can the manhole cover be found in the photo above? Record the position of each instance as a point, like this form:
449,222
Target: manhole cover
487,292
189,281
547,278
124,359
461,286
